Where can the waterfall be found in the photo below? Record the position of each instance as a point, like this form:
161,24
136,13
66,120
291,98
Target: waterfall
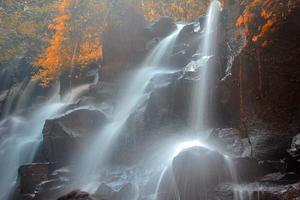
22,135
99,148
200,96
201,92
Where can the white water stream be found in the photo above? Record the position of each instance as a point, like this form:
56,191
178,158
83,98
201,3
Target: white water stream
22,135
200,97
99,148
201,93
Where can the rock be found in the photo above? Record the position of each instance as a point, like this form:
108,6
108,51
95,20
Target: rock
15,72
77,195
63,135
296,143
51,189
197,171
124,45
261,86
105,192
3,96
31,175
245,169
230,140
187,44
127,192
202,20
258,191
162,27
292,160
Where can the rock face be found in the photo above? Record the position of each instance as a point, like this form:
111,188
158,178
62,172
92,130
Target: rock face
230,140
63,135
123,45
261,87
32,175
161,28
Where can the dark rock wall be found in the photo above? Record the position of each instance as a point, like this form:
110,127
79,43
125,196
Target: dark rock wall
261,87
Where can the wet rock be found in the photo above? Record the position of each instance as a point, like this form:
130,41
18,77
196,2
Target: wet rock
162,27
51,189
245,169
104,192
261,86
258,191
127,192
123,45
187,44
292,160
31,175
15,72
197,171
63,135
77,195
230,140
3,96
202,20
296,143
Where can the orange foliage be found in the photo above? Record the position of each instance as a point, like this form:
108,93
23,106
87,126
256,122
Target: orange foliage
261,18
51,61
79,25
76,42
187,10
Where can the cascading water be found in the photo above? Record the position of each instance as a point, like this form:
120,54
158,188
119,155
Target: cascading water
201,92
198,110
99,149
23,135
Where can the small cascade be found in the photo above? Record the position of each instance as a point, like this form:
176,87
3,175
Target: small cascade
99,148
202,90
246,192
201,93
22,136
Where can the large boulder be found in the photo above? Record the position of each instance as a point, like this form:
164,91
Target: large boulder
63,135
197,171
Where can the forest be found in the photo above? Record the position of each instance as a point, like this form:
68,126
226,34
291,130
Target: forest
149,100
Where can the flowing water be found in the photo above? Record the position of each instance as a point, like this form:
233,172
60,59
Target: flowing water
199,105
22,135
201,92
99,149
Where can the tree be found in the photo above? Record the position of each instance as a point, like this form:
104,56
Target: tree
23,27
78,28
76,41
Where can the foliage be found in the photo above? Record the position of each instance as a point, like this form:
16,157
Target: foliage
186,10
77,39
65,34
261,18
23,27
